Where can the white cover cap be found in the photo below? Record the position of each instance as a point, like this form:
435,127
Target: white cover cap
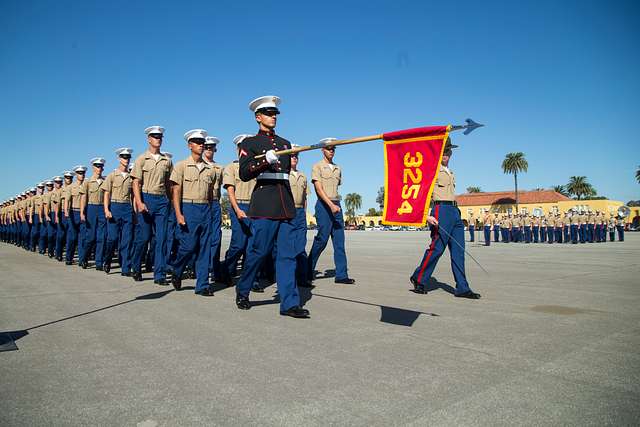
97,161
124,150
211,140
79,169
195,133
265,102
239,138
154,129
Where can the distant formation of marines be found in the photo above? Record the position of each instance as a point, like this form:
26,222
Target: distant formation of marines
156,216
574,226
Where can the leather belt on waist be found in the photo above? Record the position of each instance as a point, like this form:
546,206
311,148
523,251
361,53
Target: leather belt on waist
120,201
161,193
95,204
195,201
445,202
299,206
75,209
274,175
246,202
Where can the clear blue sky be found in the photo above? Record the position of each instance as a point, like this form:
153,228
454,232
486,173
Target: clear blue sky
557,80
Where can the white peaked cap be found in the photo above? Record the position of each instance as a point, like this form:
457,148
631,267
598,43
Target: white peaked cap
211,140
325,140
48,183
57,178
239,138
269,101
97,160
80,168
67,174
195,133
154,129
40,184
124,150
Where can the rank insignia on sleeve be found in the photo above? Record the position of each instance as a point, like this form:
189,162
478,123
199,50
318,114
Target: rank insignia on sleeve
243,153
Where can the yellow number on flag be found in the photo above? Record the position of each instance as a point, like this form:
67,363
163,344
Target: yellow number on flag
405,208
414,174
413,161
410,191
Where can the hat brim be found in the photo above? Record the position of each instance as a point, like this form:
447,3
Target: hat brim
268,110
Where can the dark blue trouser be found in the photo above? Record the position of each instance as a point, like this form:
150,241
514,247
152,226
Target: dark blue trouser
240,233
75,235
154,221
583,232
505,235
300,237
120,232
52,230
448,220
496,233
612,234
194,238
574,233
264,234
95,227
61,234
603,233
34,233
558,234
26,234
329,225
589,233
550,230
216,239
472,233
543,234
527,234
536,233
487,235
42,235
620,229
566,234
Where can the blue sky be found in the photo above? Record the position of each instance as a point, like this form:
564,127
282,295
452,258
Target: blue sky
557,80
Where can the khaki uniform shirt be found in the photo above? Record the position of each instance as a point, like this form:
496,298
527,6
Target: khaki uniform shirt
37,205
298,182
612,223
231,177
329,176
95,193
46,201
517,222
559,222
74,192
28,206
63,196
535,221
55,199
592,219
118,185
526,221
217,172
197,182
152,173
506,223
566,220
575,219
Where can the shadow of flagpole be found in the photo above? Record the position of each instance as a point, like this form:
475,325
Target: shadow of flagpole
392,315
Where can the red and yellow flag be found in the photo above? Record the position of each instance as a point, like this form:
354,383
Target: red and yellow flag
412,161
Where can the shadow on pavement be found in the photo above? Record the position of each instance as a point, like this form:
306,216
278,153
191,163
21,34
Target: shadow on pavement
7,339
392,315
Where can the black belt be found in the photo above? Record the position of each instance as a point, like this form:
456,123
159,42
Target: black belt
445,202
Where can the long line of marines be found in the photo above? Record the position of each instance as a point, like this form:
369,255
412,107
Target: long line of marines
168,217
584,226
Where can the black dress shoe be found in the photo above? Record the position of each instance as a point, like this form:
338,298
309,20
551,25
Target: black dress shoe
127,274
257,288
68,262
137,276
206,292
308,284
297,312
469,294
176,282
345,281
59,258
99,268
243,303
418,288
161,282
106,268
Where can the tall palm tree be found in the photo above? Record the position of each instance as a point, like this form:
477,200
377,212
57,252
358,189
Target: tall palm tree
474,190
353,202
638,174
512,164
579,187
560,189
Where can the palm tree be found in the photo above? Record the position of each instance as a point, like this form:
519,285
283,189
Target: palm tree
638,174
474,190
512,164
579,187
560,189
353,202
380,198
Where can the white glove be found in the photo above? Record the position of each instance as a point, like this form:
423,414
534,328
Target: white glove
271,157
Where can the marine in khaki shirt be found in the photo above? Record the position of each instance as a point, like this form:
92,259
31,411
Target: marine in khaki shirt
153,172
72,195
195,180
117,187
95,193
329,175
210,148
299,188
231,177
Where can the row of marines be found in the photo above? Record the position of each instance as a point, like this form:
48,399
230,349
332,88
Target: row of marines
171,216
572,227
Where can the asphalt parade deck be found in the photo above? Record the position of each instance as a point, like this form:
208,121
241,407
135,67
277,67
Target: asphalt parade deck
555,340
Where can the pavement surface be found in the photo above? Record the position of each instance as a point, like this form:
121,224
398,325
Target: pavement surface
555,340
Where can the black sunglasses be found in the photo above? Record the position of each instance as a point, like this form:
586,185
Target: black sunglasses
125,156
198,141
156,135
209,147
98,165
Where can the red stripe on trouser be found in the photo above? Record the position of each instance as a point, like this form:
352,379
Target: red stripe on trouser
431,247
